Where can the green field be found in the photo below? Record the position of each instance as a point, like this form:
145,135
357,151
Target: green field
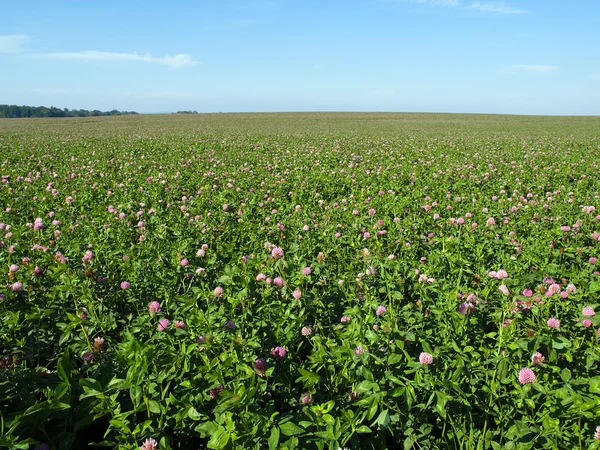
300,280
311,125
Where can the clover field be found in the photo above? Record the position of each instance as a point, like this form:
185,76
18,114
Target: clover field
326,281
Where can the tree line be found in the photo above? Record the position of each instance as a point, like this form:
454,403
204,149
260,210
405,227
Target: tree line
14,111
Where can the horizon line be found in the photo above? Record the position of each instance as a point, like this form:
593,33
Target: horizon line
174,113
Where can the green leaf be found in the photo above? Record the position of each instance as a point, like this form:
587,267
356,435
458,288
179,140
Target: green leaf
206,428
164,444
363,429
273,438
327,435
383,419
551,423
43,406
118,384
219,439
309,378
365,386
394,358
194,414
291,429
373,407
440,406
410,441
141,428
60,367
224,279
595,385
565,375
246,369
91,393
64,337
90,383
61,390
560,342
154,406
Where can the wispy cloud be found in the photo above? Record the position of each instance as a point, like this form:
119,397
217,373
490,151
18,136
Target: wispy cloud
491,7
428,2
444,2
175,61
537,68
13,43
497,7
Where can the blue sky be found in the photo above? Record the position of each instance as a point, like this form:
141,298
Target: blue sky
517,56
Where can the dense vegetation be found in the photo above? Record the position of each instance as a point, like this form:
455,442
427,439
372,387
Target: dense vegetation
300,281
16,112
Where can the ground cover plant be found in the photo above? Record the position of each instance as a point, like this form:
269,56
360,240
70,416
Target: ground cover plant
300,281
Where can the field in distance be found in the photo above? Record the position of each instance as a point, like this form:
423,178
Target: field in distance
300,280
376,125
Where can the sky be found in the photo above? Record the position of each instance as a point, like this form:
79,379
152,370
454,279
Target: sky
512,57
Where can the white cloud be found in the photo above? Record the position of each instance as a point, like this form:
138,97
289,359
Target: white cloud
428,2
444,2
492,7
175,61
538,68
13,43
496,7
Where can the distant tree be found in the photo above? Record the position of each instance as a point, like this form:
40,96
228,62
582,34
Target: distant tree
14,111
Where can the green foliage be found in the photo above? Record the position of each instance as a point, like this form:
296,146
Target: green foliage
397,338
16,112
